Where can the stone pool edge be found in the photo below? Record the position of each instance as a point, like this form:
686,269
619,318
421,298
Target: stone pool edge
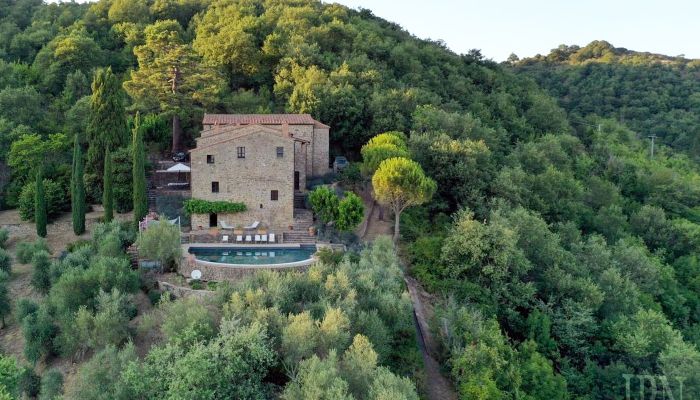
213,271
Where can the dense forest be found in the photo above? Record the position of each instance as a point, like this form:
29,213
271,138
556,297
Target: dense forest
652,94
563,256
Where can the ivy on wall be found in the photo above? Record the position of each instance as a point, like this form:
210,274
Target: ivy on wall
199,206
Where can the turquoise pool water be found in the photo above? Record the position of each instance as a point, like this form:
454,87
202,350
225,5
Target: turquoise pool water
255,256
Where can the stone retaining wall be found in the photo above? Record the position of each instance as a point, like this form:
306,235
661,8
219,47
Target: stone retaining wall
226,273
179,291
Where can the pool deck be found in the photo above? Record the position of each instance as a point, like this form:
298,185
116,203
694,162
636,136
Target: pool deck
186,247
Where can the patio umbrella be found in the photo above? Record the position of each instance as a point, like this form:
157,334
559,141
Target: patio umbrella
179,168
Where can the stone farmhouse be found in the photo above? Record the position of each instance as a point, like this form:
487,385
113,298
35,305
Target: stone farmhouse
262,160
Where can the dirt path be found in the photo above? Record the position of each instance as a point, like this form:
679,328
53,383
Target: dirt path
437,386
371,226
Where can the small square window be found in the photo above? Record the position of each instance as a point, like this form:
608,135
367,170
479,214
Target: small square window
274,195
215,187
241,152
210,159
280,152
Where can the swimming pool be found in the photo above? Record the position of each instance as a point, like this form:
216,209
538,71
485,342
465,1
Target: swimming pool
252,256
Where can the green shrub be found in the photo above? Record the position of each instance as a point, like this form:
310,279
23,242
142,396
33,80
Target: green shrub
29,383
324,202
154,296
57,201
330,257
161,242
351,211
39,333
4,235
187,321
196,285
51,385
41,275
5,261
73,246
25,251
351,176
25,307
199,206
9,376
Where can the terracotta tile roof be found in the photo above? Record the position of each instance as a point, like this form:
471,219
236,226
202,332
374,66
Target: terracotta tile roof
261,119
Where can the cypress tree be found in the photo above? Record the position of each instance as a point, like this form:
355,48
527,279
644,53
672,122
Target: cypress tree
107,192
107,125
40,212
78,206
139,172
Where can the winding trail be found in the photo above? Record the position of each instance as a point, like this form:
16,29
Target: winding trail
437,386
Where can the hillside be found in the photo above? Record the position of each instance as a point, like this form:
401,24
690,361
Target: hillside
651,93
559,255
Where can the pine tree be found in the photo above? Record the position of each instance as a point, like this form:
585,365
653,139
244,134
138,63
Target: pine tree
107,127
77,185
107,192
139,172
171,72
40,212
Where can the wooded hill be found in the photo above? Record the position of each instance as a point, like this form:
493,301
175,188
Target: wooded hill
651,93
566,256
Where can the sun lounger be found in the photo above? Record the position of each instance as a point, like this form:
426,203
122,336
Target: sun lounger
257,238
226,226
224,238
248,238
272,238
239,238
254,225
263,238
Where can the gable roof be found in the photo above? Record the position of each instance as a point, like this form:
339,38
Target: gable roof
242,133
261,119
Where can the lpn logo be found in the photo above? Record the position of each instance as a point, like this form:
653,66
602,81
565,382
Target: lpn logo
653,387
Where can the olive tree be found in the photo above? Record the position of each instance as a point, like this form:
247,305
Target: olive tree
161,242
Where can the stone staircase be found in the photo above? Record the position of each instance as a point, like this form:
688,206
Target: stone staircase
151,199
299,200
303,219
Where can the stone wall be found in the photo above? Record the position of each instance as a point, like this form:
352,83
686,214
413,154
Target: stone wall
249,180
224,273
321,143
179,291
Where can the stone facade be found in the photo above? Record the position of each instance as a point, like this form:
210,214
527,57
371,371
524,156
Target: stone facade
275,158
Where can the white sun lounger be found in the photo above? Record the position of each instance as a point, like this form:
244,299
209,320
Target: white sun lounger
248,238
254,225
224,238
239,238
263,238
225,225
257,238
272,238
